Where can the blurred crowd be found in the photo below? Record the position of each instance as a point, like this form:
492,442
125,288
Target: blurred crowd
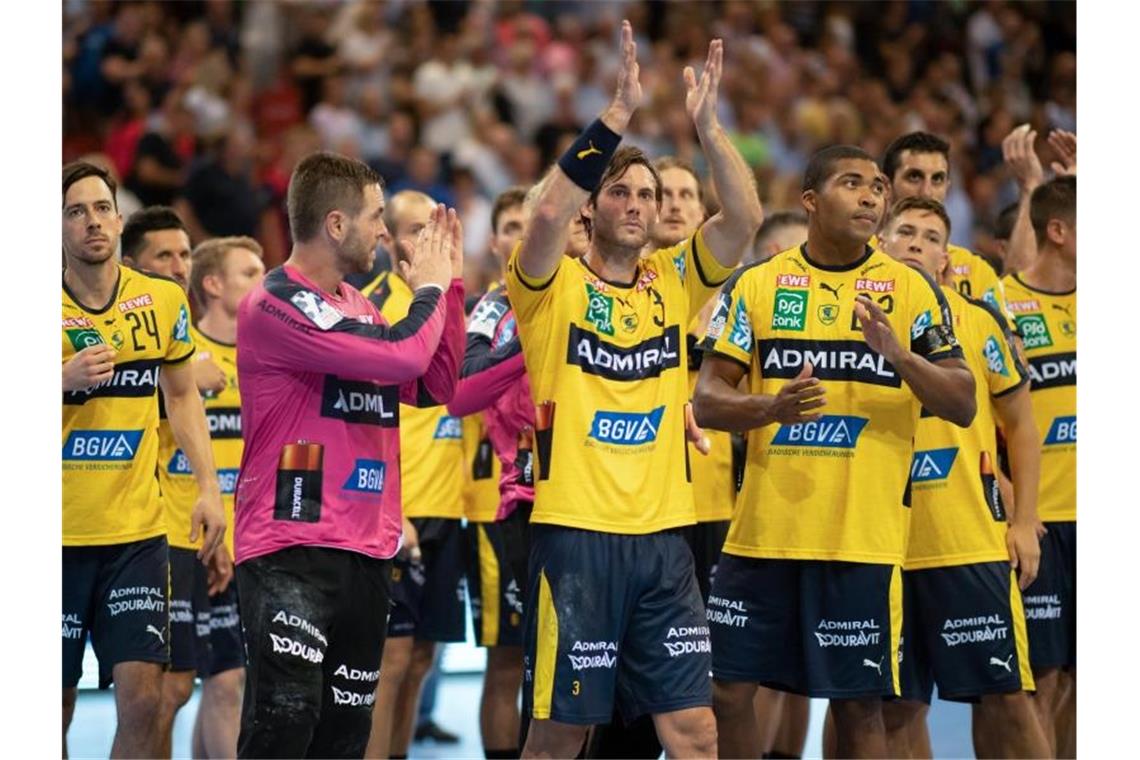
207,106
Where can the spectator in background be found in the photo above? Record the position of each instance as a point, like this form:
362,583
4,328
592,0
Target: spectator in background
119,61
163,154
423,175
313,58
403,135
333,118
527,94
444,89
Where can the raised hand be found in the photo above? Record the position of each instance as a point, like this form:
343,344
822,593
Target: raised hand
701,97
798,398
877,329
1065,144
429,258
627,96
1019,155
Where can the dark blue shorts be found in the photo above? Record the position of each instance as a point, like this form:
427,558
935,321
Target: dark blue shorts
612,618
825,629
227,651
964,629
1051,602
496,556
189,612
429,597
705,540
118,595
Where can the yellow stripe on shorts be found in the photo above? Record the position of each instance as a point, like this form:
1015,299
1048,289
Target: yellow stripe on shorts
896,597
488,587
545,650
1020,634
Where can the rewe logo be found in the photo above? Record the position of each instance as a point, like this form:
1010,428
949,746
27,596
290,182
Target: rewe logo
626,429
449,428
839,431
102,445
874,286
933,464
793,280
1002,663
1062,431
367,476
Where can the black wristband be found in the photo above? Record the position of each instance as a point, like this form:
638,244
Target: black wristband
586,160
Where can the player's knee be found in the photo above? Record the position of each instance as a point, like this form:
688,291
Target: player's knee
733,697
900,714
139,709
396,661
176,690
226,687
698,730
423,653
851,713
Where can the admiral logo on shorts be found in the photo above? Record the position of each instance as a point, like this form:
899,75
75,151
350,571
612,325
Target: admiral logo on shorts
957,631
695,640
296,621
1042,607
847,633
72,626
136,599
729,612
605,656
352,674
181,611
286,645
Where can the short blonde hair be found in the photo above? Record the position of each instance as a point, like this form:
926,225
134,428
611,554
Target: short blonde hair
209,258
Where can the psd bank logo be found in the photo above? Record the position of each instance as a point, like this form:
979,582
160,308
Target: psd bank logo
625,428
933,464
832,431
101,445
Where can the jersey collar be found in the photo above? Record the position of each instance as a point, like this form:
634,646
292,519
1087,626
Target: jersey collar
108,305
867,251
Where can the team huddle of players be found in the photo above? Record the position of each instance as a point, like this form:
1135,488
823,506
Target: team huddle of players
827,455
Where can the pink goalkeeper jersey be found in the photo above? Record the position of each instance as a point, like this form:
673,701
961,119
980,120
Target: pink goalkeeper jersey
494,381
321,378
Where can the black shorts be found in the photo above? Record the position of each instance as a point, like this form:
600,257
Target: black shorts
614,618
118,595
705,539
314,621
496,559
429,597
226,648
1051,602
964,628
824,629
189,612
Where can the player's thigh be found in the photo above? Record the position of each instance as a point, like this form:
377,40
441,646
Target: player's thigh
441,614
131,612
227,648
1050,601
80,569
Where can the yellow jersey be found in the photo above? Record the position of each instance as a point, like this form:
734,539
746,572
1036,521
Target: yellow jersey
481,472
431,440
223,416
1047,325
957,516
110,431
608,365
833,489
714,485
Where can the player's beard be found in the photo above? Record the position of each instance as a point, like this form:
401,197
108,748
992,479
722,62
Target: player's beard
355,254
612,239
89,257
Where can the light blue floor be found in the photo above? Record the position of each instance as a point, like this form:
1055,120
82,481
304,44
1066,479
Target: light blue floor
457,710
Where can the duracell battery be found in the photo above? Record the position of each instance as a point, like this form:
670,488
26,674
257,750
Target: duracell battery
299,480
990,488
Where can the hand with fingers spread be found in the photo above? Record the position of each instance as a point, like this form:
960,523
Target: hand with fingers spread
877,330
428,261
91,366
694,434
627,96
1065,145
1024,552
798,399
1019,155
701,96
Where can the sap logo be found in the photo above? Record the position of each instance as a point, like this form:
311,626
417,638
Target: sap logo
224,422
448,428
102,445
179,464
741,335
360,402
1053,370
995,358
934,464
866,285
134,303
991,298
626,429
367,476
793,280
227,481
836,431
182,326
1062,431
